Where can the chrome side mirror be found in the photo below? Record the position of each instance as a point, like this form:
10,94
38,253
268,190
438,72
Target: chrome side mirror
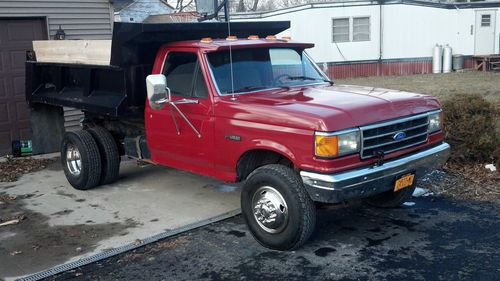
158,92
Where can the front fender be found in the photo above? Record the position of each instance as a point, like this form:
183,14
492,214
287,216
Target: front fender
264,144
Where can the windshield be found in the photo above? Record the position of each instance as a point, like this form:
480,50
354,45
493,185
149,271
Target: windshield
262,68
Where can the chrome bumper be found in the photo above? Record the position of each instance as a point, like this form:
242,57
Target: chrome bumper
364,182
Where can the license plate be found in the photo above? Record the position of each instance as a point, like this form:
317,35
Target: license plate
404,181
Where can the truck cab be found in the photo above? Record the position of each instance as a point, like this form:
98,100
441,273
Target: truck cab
253,109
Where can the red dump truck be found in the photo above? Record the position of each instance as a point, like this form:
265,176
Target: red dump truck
249,107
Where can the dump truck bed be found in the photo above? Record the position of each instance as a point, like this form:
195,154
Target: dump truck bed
81,77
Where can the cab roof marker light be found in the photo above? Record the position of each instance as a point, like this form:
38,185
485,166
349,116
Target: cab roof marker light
253,37
286,38
206,40
231,38
271,37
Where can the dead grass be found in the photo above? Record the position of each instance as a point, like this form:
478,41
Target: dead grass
471,128
13,168
443,86
466,182
152,249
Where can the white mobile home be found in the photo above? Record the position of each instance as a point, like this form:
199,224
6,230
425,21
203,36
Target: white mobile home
363,38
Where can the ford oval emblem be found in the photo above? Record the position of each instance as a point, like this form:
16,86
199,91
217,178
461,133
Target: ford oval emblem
399,136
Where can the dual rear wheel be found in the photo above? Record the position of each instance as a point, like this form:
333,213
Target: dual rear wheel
90,158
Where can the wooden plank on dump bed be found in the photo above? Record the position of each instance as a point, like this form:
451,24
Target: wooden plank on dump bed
92,52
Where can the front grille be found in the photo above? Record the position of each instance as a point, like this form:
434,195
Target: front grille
381,136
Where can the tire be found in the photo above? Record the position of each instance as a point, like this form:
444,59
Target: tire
84,171
295,219
390,199
110,157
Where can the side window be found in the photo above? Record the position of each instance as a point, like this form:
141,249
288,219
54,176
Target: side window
200,88
184,77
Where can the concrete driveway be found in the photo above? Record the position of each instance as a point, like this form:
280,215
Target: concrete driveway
61,225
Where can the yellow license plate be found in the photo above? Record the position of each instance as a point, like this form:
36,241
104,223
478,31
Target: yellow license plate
404,181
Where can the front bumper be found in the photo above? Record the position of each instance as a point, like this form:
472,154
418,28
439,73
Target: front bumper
364,182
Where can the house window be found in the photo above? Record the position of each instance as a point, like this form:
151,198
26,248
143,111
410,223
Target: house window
485,20
351,29
361,29
341,30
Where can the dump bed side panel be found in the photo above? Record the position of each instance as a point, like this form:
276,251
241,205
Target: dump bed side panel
107,90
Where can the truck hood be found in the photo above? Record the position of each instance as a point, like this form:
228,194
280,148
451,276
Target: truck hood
324,108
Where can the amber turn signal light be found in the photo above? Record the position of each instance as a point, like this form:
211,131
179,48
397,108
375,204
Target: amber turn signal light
326,146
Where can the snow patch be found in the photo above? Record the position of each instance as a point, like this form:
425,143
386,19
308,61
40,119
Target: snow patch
491,167
420,192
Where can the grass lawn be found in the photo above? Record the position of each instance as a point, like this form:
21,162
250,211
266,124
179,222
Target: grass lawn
442,86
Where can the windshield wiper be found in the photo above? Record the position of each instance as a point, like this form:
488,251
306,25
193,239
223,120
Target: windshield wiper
246,89
310,78
255,88
329,81
301,78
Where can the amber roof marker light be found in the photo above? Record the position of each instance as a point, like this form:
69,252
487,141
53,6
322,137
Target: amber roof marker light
206,40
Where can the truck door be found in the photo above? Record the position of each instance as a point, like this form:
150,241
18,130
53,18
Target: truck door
184,142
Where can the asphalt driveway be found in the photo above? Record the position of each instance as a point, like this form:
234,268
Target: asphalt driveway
431,238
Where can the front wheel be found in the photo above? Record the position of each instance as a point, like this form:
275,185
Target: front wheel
277,209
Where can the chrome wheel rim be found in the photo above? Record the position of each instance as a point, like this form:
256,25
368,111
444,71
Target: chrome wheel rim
270,209
73,160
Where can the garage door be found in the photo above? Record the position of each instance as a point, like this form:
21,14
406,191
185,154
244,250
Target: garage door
15,38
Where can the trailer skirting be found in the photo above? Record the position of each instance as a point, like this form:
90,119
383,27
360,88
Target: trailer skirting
397,67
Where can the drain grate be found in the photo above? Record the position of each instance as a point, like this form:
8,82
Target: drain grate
116,251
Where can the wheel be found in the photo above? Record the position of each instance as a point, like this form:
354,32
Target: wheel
81,160
390,199
110,157
276,208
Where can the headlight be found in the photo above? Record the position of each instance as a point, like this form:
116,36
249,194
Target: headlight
337,144
435,121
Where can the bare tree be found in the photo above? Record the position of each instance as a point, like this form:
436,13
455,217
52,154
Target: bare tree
182,5
241,6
